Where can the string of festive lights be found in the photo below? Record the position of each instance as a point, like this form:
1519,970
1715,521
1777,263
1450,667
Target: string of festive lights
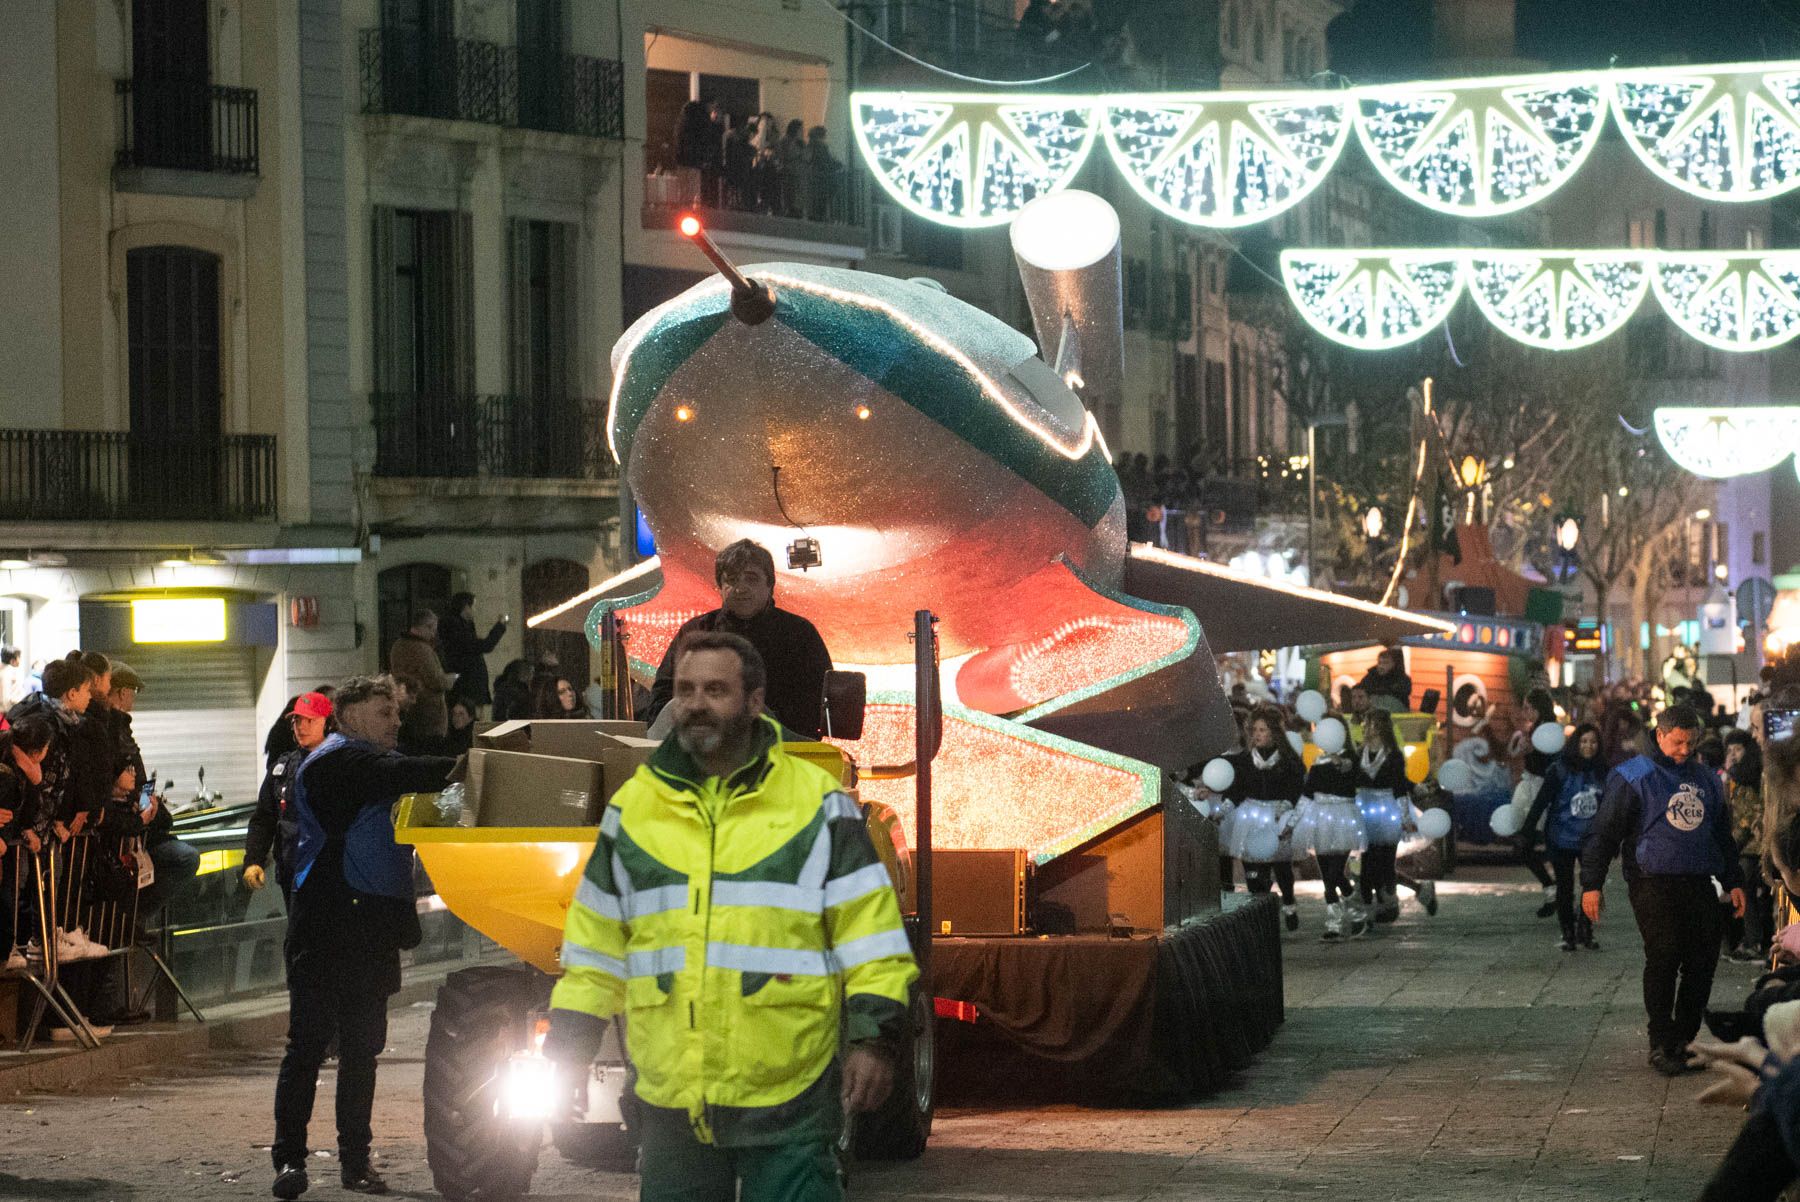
1472,147
1721,442
1552,299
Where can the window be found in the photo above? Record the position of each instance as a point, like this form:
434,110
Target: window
1214,401
418,53
1234,38
422,302
664,94
1289,65
542,39
1137,291
1239,446
172,317
171,108
1648,230
402,591
543,308
1189,435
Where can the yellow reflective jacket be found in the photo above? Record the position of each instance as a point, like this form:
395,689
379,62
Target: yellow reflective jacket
726,919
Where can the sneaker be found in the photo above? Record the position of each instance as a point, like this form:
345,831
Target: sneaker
1290,916
16,961
290,1182
362,1181
1591,944
1566,943
1334,922
1549,906
1358,918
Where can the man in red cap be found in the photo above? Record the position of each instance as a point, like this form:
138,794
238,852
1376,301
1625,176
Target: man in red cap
271,829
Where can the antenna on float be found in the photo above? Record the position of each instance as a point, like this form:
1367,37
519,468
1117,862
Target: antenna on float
751,303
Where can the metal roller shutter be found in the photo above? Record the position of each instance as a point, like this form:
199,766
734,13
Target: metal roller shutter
198,710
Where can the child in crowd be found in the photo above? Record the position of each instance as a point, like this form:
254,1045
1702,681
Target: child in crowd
1570,797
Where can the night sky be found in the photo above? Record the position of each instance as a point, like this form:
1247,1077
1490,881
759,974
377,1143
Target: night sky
1380,39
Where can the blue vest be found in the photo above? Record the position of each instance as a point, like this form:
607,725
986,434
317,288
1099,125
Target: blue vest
1573,810
1681,807
373,862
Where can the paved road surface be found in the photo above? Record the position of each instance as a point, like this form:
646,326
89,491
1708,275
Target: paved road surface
1461,1058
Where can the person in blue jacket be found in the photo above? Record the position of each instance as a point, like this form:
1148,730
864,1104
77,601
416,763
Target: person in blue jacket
1666,812
1570,795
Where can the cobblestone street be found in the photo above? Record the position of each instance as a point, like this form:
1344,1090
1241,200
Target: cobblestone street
1456,1058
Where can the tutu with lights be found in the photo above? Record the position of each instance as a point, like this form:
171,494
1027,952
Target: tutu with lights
1383,814
1239,828
1329,825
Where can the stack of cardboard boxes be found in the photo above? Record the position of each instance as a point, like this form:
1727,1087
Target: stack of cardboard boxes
550,773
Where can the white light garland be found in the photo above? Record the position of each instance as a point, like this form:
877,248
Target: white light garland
1723,442
1723,133
1479,148
1373,300
1554,299
972,160
1473,148
1226,159
1557,300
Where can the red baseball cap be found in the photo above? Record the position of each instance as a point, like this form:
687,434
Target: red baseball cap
312,705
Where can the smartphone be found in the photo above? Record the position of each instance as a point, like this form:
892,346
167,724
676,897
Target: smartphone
1779,724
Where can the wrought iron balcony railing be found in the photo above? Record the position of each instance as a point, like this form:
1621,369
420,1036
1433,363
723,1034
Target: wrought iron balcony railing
187,126
113,475
436,436
457,79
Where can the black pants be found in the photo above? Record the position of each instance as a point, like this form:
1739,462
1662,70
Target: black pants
1755,928
1378,872
358,1018
1532,856
1756,1167
1227,870
1681,921
1258,878
1332,872
1567,865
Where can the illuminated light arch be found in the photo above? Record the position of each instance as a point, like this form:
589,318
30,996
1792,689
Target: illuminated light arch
1482,147
1722,442
1735,301
1373,300
1696,127
1557,300
972,160
1224,159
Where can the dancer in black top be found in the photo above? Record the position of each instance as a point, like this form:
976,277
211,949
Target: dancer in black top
1266,785
1383,795
1329,825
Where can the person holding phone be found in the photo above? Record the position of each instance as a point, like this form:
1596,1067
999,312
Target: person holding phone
466,652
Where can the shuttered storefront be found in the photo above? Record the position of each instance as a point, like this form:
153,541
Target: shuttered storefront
198,710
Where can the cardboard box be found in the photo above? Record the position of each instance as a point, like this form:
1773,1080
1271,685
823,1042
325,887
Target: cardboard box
571,738
518,788
621,755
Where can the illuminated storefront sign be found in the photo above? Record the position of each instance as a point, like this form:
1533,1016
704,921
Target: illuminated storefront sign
178,620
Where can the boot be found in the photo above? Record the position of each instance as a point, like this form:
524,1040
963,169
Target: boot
1584,933
1549,906
1428,897
1387,907
1290,916
1334,921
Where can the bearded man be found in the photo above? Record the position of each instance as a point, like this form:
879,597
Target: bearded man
735,911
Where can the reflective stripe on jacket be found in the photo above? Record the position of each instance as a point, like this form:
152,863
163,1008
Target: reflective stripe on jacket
726,919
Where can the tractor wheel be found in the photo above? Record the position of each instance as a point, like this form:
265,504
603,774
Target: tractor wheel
483,1016
898,1129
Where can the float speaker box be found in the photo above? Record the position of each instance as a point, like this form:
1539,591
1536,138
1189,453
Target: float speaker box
978,892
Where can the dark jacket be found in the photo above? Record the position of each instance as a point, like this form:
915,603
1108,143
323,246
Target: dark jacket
696,140
54,788
1561,797
17,794
1331,776
1281,781
1396,686
464,653
1624,823
334,933
271,829
792,651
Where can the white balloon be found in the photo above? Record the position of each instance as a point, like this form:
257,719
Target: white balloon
1329,736
1455,776
1505,822
1262,845
1218,775
1434,824
1549,738
1296,742
1310,705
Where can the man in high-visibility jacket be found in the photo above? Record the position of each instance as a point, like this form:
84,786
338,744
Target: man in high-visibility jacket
732,899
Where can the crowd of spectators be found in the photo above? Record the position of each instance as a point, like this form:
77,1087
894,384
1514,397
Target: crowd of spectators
88,855
756,164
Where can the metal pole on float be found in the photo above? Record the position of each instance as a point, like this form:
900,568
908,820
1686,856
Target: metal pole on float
928,729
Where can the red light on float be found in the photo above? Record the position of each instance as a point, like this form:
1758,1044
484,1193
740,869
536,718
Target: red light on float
689,225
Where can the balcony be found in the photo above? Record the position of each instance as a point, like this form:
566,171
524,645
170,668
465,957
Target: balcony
186,139
975,37
455,79
117,476
828,207
511,437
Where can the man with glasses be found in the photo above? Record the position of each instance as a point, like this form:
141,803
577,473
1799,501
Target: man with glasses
790,646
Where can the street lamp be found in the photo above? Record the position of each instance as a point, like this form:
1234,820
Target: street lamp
1568,534
1472,471
1372,522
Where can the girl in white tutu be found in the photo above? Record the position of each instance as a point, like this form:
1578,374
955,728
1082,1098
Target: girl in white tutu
1382,796
1265,785
1331,827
